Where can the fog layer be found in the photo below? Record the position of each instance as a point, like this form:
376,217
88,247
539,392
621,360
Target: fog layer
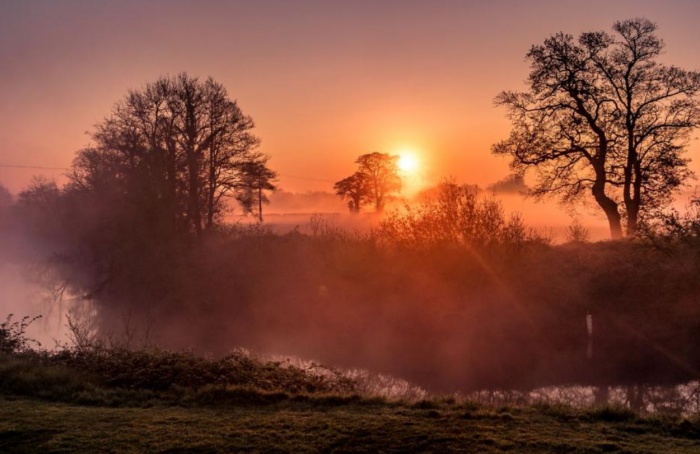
452,295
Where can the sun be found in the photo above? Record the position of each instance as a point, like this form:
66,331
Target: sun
408,163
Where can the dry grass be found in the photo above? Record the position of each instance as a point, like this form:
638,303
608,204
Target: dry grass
353,426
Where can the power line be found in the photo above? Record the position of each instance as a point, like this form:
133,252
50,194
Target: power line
13,166
306,178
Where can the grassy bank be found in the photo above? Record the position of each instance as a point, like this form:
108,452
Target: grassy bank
110,399
28,425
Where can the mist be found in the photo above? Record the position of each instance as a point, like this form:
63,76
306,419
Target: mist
23,292
460,303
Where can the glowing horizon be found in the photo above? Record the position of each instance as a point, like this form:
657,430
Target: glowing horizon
324,82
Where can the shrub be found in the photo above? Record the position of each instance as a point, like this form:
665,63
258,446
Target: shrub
12,334
455,215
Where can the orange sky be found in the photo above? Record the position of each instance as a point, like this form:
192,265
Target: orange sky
325,81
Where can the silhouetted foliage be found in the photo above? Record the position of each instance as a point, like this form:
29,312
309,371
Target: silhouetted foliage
455,215
354,189
678,233
257,180
576,232
6,203
603,115
121,233
178,146
6,198
512,184
40,212
13,337
375,181
685,227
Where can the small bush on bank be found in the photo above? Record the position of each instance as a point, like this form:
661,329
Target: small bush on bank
13,337
161,370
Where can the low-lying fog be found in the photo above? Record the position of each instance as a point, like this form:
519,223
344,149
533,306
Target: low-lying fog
510,312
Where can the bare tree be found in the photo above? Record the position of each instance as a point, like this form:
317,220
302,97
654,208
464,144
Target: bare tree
603,115
178,142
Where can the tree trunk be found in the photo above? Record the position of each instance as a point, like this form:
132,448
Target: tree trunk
211,192
195,215
355,204
631,183
633,202
194,212
609,206
260,204
632,219
614,221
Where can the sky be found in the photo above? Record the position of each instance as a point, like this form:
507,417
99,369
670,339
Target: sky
325,81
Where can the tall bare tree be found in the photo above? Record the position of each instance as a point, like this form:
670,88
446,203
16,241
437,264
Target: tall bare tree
180,141
602,115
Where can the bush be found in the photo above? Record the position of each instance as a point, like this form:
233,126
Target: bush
455,215
12,334
27,374
97,374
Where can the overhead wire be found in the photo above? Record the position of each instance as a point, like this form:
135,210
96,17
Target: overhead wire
17,166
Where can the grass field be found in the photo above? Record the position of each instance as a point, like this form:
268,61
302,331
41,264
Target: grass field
29,425
99,399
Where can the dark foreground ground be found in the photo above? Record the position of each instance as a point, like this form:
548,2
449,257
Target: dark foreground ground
29,425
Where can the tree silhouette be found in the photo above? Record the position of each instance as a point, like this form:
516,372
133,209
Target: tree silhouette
353,189
376,180
603,115
5,197
179,146
257,178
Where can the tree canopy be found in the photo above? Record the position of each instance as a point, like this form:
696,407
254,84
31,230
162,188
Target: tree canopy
257,179
124,231
374,182
5,197
178,145
603,116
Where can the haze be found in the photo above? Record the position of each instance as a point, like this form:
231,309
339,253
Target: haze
324,81
359,107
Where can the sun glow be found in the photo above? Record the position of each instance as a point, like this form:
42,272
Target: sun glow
411,170
408,163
